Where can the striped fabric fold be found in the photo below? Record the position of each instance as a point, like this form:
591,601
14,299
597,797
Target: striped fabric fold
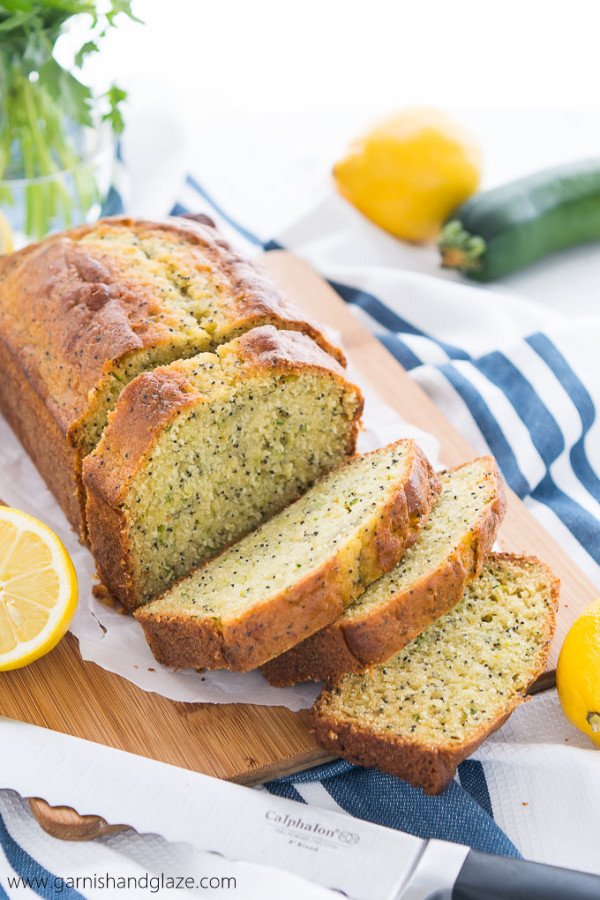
34,877
463,813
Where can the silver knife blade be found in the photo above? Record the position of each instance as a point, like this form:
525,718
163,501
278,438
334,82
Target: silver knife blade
360,859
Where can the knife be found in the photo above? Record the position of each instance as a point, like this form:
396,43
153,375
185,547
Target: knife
359,859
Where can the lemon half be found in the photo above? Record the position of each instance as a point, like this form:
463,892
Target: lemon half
38,589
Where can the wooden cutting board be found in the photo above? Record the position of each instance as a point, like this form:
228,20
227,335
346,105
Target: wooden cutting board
250,744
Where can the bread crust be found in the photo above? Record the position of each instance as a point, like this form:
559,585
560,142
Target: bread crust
430,767
267,629
57,462
254,298
151,403
69,315
148,405
355,644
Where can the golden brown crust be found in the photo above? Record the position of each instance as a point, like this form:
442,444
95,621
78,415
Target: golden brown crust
111,549
402,519
153,400
323,656
74,315
147,406
241,644
70,311
57,462
74,309
267,347
430,768
270,628
354,644
426,766
254,298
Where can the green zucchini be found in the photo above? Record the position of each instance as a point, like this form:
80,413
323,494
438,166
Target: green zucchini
500,231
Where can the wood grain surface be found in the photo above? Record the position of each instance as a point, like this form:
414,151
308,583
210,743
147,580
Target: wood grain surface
249,744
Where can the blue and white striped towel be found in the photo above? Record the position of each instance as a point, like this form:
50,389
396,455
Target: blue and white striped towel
516,380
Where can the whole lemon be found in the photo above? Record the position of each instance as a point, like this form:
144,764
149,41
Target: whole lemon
408,173
578,673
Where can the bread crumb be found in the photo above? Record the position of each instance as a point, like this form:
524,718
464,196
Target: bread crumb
103,595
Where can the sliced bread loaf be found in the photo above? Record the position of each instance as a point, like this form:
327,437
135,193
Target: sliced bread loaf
298,571
422,712
199,452
427,582
84,312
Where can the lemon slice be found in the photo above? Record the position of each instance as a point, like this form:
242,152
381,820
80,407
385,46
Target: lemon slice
6,238
38,589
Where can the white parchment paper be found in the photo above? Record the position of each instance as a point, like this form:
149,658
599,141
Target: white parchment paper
115,641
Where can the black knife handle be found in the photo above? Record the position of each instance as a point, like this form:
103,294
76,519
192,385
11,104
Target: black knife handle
488,877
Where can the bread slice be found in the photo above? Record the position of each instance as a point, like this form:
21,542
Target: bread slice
298,571
84,312
200,452
427,582
419,714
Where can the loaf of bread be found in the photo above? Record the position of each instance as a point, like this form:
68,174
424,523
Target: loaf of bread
421,713
298,571
427,582
199,452
85,312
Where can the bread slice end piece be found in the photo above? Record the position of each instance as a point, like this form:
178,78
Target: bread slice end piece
417,716
430,768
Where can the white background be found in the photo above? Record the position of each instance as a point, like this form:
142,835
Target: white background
258,98
370,55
